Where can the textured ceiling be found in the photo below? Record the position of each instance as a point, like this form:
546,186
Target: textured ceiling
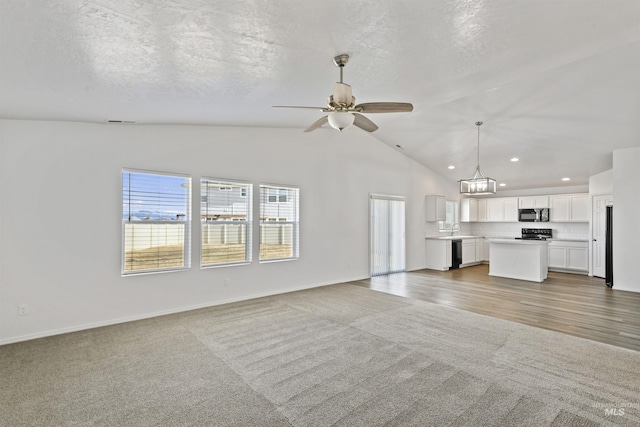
556,82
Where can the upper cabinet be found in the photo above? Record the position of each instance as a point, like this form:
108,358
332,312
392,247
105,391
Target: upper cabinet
482,210
562,208
569,208
511,209
469,210
435,208
533,202
504,209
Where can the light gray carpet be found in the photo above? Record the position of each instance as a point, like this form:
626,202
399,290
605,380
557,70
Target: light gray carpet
337,355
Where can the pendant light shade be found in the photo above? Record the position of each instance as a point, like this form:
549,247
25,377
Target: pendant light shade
478,184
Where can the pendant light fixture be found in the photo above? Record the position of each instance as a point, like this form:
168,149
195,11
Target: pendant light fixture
478,184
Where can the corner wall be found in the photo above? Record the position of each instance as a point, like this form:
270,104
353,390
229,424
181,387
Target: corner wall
60,210
626,231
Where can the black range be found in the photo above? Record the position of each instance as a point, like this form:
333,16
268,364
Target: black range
535,234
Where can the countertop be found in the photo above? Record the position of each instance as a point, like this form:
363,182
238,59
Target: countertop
447,237
455,237
520,241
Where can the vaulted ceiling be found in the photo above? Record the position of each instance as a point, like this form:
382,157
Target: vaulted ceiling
556,82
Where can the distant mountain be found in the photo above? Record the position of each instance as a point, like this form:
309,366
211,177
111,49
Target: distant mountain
146,215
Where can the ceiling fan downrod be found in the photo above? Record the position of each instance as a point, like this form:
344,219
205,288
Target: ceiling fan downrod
341,61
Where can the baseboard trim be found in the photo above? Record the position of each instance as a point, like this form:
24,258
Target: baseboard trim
144,316
568,270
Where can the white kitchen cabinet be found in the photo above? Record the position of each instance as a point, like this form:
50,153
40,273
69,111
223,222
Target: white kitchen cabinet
435,208
569,208
438,254
468,210
569,256
511,209
485,250
471,251
468,251
495,210
533,202
579,208
482,210
503,209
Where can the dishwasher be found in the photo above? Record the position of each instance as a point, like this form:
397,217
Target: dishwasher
456,254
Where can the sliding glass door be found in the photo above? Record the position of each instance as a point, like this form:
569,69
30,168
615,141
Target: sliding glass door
387,238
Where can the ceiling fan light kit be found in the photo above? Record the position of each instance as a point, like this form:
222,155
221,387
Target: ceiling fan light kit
478,184
342,109
341,120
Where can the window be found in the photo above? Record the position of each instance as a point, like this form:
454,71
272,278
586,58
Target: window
156,222
451,216
277,195
225,214
279,222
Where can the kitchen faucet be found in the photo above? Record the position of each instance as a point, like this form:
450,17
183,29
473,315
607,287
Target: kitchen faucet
453,227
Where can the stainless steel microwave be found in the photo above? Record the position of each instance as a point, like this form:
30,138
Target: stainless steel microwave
533,215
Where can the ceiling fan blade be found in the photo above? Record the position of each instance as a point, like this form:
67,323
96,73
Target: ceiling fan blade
384,107
363,123
296,106
317,124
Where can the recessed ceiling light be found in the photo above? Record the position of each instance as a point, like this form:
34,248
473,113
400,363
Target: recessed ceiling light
452,167
502,184
515,159
566,179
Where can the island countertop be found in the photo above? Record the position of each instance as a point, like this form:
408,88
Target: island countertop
515,241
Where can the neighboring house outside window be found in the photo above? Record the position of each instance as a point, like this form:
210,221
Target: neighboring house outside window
225,215
279,222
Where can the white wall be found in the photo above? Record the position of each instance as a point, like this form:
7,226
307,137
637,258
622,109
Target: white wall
626,228
601,184
60,229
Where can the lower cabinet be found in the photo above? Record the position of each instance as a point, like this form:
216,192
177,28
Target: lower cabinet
484,255
439,253
469,253
569,256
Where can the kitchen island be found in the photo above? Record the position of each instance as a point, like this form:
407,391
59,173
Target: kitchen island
518,259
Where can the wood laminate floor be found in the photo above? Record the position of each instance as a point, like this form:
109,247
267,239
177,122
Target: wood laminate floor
569,303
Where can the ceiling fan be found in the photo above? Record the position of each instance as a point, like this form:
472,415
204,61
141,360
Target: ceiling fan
342,109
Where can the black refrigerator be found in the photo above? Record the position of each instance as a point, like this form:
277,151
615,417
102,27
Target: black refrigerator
608,249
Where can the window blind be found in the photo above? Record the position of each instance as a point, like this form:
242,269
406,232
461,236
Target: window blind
156,222
387,234
279,222
225,214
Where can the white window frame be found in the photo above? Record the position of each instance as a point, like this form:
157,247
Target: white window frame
449,222
264,196
186,220
224,184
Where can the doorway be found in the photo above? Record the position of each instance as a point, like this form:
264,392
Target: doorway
598,233
387,234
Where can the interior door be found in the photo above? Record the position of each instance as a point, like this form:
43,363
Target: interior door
387,234
598,227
